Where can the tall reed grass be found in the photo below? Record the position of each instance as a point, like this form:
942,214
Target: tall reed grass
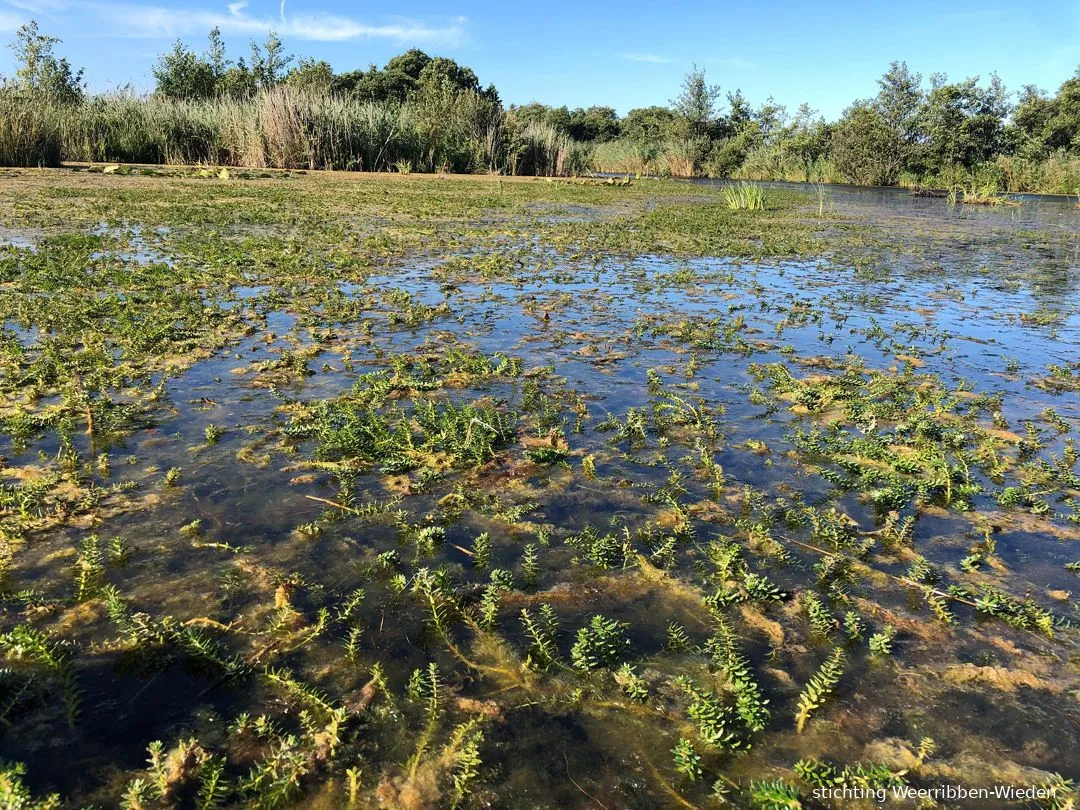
1057,173
29,135
669,158
774,162
438,130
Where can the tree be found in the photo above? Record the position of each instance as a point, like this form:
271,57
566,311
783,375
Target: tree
311,75
875,140
441,70
695,108
649,124
1029,119
409,72
411,63
237,81
1042,125
863,146
268,64
593,124
807,139
537,113
182,73
696,103
962,124
215,54
39,71
739,114
898,104
770,119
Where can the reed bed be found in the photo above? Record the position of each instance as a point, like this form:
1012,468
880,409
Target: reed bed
284,128
669,158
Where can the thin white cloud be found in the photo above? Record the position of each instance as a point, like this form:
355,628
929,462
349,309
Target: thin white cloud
9,22
151,21
41,7
646,57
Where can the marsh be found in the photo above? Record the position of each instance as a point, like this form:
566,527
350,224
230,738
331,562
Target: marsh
328,490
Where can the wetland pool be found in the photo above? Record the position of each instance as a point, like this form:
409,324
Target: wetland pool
343,491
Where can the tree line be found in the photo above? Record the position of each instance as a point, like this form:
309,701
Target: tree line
937,131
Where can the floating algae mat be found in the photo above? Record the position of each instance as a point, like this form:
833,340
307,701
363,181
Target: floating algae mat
335,491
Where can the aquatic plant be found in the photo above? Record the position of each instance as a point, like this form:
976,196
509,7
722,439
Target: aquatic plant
32,647
775,795
882,643
976,194
718,724
744,197
687,760
601,643
348,334
15,794
820,687
543,632
821,620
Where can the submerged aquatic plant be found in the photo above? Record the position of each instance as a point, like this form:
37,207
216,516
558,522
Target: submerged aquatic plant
687,760
820,687
601,643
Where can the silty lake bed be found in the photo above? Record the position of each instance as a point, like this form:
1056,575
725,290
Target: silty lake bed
322,490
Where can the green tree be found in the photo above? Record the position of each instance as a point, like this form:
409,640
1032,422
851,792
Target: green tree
649,124
739,114
770,119
807,139
376,85
863,146
876,140
411,63
961,123
538,113
696,103
268,64
39,70
1041,125
237,81
441,70
215,54
409,72
311,75
182,73
899,104
593,124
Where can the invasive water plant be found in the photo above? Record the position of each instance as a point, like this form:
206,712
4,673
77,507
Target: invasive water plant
601,643
820,686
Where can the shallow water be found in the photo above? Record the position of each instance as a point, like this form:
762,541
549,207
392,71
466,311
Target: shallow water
941,298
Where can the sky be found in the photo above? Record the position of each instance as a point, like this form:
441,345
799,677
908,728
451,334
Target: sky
625,54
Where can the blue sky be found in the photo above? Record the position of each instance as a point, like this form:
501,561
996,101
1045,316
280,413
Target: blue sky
624,54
